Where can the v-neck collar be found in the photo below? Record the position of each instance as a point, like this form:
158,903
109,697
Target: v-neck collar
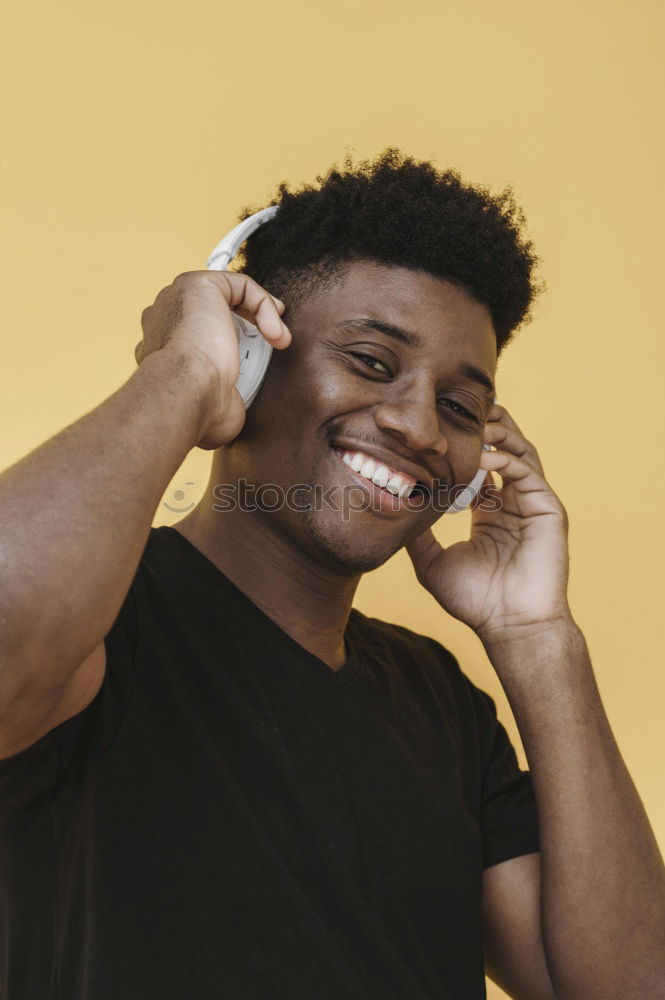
342,677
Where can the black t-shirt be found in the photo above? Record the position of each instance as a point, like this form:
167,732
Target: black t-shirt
230,818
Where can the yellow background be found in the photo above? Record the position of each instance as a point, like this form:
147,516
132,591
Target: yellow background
133,132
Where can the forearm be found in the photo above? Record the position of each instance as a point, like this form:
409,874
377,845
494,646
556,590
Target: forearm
602,875
76,513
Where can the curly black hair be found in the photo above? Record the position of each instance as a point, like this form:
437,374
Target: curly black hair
396,210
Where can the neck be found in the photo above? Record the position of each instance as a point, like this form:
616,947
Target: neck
309,601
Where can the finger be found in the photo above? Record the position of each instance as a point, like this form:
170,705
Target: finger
533,494
489,482
162,294
279,305
261,308
247,314
500,413
488,496
500,435
227,274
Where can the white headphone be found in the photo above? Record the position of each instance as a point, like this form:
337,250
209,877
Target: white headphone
255,351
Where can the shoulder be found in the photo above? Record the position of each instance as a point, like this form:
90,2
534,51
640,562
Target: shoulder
379,633
426,658
163,554
408,651
172,577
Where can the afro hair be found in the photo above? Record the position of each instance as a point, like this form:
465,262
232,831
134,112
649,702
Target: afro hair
396,210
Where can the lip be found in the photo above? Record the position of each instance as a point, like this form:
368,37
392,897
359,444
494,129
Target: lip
389,458
382,500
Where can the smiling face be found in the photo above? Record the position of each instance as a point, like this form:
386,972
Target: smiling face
388,363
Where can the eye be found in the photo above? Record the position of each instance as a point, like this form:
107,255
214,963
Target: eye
371,361
459,409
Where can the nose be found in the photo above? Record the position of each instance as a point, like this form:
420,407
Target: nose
413,419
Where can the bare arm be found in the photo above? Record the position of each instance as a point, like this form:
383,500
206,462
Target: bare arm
78,509
602,896
600,878
76,512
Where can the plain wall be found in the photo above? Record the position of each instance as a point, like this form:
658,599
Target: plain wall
133,133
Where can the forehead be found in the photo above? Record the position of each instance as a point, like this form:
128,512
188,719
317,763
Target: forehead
438,312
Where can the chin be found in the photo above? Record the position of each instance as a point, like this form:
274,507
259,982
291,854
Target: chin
344,554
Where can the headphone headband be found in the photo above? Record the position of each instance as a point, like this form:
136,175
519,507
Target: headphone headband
227,248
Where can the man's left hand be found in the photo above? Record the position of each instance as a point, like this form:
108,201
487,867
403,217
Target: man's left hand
511,576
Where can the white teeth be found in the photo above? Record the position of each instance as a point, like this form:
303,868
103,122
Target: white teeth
395,484
381,475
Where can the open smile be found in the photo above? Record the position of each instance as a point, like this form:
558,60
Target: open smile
391,493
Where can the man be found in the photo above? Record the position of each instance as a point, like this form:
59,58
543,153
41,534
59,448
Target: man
219,779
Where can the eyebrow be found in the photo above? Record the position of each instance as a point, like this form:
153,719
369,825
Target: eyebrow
412,340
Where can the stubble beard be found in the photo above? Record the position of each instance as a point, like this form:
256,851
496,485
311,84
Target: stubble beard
342,552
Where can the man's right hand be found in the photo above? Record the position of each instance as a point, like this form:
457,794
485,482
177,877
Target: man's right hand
192,317
107,473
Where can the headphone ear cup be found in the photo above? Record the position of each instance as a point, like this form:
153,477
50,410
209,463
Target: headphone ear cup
254,353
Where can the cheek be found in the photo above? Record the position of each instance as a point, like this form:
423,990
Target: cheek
338,388
333,388
305,385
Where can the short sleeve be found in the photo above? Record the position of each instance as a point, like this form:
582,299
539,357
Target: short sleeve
51,769
508,813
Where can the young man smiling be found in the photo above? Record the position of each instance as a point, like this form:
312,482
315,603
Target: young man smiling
221,780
